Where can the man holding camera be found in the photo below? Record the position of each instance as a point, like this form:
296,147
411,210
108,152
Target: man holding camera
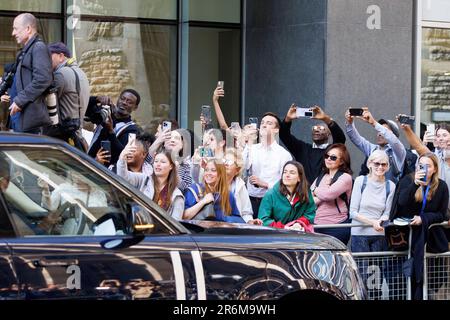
33,75
113,123
73,95
387,140
310,155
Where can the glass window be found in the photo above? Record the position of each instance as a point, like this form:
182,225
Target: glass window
215,10
50,193
31,5
154,9
49,29
435,106
214,54
117,55
436,10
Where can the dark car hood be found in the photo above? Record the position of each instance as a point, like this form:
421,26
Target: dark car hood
215,235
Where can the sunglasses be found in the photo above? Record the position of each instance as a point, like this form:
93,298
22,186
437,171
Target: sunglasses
332,158
382,164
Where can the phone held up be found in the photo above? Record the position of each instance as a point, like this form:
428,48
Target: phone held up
106,145
304,112
206,113
356,112
405,119
206,152
253,121
166,126
423,167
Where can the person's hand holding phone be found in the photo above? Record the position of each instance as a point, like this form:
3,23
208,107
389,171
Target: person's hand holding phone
292,113
103,156
367,117
420,177
218,93
319,114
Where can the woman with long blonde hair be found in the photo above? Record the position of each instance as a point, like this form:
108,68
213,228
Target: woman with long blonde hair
214,190
424,197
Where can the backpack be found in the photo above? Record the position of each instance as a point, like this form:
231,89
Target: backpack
343,196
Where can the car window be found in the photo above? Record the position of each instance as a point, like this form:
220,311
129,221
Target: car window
49,192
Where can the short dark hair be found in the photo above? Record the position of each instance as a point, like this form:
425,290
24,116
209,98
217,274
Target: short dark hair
273,115
133,92
146,138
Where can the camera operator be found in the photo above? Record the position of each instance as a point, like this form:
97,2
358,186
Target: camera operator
113,121
73,95
34,75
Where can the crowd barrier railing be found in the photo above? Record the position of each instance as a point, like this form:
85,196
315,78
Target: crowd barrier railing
383,272
436,272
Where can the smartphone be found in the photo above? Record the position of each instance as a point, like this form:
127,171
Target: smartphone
206,152
235,126
106,145
402,118
253,122
304,113
220,84
166,126
356,111
423,167
206,113
131,138
431,127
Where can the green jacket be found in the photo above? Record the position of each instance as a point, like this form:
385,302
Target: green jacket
276,207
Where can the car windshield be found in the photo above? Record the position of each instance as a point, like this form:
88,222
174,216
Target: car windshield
47,191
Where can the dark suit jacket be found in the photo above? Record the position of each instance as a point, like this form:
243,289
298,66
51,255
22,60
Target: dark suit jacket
34,75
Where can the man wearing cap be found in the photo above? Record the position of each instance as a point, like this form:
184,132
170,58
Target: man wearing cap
73,95
387,140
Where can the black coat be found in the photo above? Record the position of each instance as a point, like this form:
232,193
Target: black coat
434,212
34,75
311,158
118,142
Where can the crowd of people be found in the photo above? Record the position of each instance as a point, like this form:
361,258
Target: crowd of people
244,175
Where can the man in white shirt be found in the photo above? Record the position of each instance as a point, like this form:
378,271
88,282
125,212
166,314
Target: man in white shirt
265,161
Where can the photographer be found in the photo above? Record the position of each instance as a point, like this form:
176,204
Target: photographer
34,75
73,95
113,121
7,94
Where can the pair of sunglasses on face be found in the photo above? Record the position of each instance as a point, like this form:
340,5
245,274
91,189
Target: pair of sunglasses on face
331,157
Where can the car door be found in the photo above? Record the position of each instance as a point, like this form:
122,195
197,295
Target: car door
9,286
66,225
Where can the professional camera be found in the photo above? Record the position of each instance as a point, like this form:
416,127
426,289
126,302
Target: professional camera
6,83
97,113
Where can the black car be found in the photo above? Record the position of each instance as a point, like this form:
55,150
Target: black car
70,229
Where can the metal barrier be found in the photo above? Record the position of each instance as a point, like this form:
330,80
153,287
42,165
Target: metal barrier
384,276
436,284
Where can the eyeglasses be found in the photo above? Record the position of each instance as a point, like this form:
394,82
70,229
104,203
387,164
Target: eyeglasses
382,164
332,158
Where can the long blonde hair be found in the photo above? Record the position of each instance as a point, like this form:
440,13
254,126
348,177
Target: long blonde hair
221,186
434,180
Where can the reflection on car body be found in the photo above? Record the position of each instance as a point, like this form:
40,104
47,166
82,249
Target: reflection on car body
126,247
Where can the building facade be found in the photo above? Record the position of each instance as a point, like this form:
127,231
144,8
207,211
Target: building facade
393,56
